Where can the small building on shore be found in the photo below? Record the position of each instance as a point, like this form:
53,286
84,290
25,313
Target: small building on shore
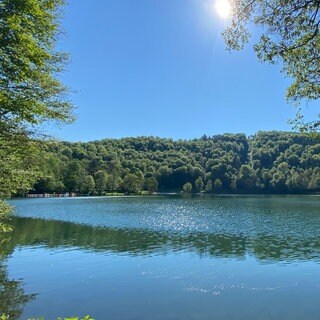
51,195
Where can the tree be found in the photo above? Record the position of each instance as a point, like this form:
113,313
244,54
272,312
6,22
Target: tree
101,180
87,186
114,179
290,35
246,178
16,163
151,184
187,187
5,209
217,186
30,90
209,186
278,182
199,184
132,183
74,176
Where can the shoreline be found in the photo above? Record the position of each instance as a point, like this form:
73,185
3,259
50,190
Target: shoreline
173,194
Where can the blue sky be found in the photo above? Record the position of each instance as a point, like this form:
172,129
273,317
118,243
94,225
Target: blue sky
159,67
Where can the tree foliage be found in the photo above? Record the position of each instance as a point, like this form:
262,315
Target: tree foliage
17,163
199,184
268,162
289,34
187,187
30,90
151,184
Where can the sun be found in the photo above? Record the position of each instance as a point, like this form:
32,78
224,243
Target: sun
223,8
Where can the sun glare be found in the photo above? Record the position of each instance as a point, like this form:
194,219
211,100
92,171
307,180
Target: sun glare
223,8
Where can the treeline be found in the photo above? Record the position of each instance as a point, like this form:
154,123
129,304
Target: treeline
268,162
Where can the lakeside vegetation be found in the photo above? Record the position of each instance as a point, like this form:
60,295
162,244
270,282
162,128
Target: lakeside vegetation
33,95
268,162
7,317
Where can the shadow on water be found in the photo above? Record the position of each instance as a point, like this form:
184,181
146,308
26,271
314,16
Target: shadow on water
265,248
12,295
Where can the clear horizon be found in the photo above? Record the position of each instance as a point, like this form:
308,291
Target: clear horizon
161,69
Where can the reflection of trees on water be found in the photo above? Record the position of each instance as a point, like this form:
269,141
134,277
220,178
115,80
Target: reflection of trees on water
148,242
268,247
12,295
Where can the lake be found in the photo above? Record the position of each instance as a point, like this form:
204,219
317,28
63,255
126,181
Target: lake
163,257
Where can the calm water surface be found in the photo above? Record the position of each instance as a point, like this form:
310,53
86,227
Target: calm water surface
142,258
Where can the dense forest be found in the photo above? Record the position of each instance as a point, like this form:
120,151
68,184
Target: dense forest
267,162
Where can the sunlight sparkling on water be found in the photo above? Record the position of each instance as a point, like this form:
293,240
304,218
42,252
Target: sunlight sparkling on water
168,257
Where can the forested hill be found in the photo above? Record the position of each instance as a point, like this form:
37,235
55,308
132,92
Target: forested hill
268,162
